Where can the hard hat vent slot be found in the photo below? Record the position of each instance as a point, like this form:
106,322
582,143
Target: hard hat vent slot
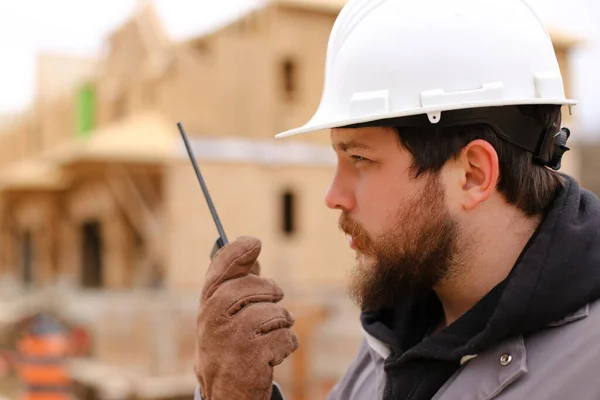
370,103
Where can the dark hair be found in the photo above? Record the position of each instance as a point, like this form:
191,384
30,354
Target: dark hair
529,186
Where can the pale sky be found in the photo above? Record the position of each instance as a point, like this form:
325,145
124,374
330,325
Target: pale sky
80,27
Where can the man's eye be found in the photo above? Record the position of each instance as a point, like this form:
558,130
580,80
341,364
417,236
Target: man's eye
357,158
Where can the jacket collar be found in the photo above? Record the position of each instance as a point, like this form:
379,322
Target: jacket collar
504,363
576,316
380,348
383,350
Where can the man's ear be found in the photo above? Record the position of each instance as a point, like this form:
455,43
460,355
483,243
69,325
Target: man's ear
480,171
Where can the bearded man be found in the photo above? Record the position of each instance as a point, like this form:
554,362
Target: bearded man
478,264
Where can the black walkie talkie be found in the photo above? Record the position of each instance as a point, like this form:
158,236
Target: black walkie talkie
222,240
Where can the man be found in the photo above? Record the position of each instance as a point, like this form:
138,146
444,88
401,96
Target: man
478,268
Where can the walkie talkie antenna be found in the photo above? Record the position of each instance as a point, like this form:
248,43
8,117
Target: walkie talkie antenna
211,206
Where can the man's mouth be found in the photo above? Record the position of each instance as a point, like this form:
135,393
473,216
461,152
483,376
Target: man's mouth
351,242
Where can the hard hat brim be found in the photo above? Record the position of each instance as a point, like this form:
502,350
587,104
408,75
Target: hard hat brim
317,124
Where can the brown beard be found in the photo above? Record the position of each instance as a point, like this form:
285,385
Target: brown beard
411,258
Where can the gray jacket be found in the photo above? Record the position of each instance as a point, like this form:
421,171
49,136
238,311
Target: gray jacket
561,362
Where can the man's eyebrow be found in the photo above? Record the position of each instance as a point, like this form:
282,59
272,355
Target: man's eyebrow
351,145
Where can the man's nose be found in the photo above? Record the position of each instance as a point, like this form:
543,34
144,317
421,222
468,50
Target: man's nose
339,194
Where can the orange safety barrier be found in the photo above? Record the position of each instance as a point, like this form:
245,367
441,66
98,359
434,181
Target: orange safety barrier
44,374
41,361
50,346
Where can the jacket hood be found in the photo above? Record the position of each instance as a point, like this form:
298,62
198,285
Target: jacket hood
558,271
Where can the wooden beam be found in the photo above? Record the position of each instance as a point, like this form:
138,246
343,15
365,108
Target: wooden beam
152,223
4,248
147,188
308,318
68,249
121,195
144,215
45,241
8,238
153,243
115,258
63,256
4,243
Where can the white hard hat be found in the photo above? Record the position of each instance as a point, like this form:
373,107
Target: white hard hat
397,58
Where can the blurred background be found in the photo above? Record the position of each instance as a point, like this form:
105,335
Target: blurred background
104,233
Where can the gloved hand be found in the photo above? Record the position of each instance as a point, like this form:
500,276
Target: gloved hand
241,333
